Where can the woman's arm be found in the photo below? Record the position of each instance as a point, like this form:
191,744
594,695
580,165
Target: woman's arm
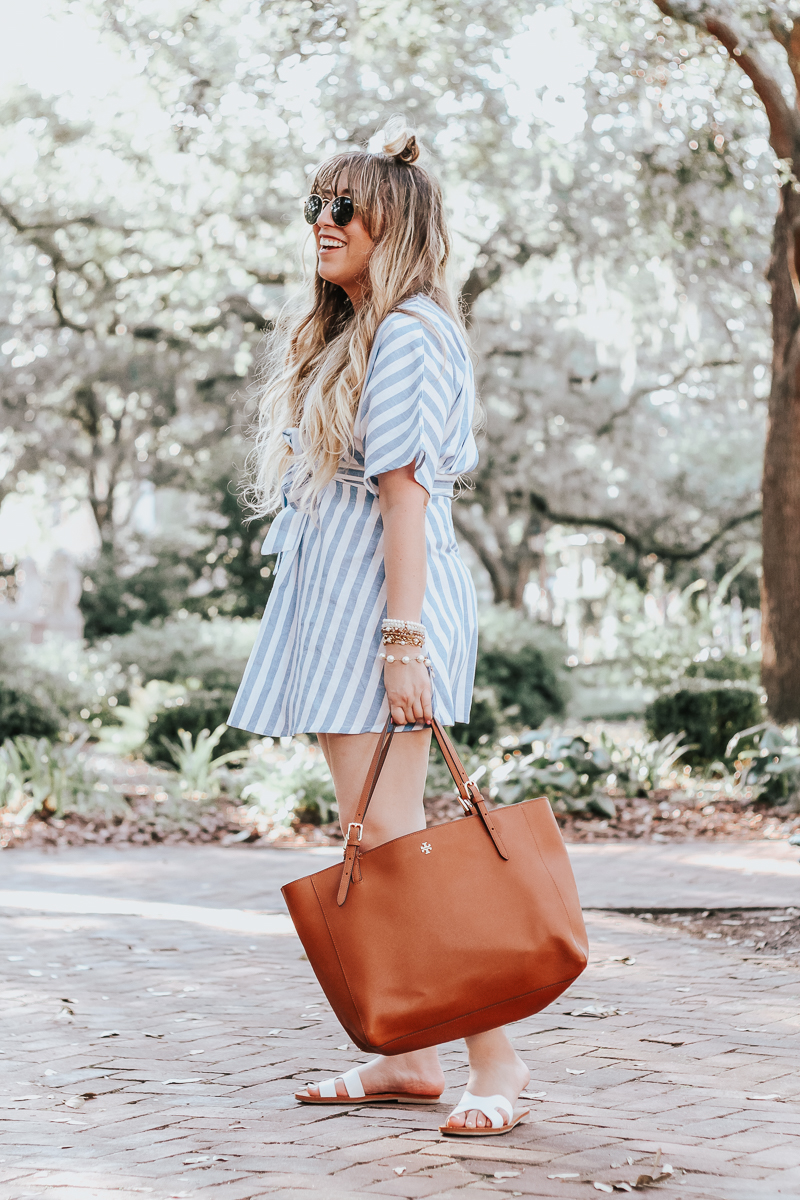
402,503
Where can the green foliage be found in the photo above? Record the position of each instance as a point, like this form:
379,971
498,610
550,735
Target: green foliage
617,273
201,661
770,759
574,773
36,774
198,710
527,682
709,717
22,713
178,649
43,687
288,784
200,774
215,569
564,768
520,676
133,723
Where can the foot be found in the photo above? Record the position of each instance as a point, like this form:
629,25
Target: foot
504,1076
417,1074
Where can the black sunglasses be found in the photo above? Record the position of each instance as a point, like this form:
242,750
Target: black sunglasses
342,209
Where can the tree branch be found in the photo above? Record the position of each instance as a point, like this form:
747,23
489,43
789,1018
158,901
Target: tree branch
642,545
784,121
640,393
474,539
499,252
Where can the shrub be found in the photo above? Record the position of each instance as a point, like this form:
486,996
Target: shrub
43,687
710,717
207,657
22,713
38,774
770,764
284,785
213,652
215,570
200,710
520,676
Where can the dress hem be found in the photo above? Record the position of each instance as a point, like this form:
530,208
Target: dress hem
447,721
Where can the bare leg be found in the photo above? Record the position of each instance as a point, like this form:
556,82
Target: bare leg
395,809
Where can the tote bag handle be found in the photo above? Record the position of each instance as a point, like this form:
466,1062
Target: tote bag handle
469,796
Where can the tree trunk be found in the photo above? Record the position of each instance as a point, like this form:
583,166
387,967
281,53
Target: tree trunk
780,593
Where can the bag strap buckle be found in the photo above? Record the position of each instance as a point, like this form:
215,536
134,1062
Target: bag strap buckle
355,825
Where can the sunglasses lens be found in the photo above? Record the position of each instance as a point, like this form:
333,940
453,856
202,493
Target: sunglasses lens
312,209
342,210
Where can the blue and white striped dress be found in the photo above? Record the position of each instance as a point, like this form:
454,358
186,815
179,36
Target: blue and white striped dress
315,666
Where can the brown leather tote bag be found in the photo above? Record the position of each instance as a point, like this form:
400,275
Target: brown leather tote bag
447,932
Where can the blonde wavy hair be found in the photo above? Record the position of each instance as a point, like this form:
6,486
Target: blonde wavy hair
317,356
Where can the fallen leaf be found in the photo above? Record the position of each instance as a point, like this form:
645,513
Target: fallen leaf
626,959
570,1071
646,1180
662,1041
565,1175
741,1029
398,1170
75,1102
190,1162
344,1048
34,972
153,992
191,1079
19,1099
506,1174
769,1096
532,1095
620,1185
109,1033
602,1187
154,1035
594,1010
683,989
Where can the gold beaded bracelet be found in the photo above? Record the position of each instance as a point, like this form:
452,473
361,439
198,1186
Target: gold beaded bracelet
402,633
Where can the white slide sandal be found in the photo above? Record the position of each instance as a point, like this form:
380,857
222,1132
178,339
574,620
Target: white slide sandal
356,1094
496,1108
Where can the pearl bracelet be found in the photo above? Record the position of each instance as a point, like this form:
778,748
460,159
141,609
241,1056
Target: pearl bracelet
420,658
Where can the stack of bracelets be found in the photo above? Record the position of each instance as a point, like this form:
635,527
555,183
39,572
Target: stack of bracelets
403,633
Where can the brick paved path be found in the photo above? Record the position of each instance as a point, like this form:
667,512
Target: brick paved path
190,1041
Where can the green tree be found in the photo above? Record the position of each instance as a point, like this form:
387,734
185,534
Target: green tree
761,42
612,283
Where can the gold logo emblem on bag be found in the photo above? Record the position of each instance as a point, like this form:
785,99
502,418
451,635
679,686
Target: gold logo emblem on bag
426,847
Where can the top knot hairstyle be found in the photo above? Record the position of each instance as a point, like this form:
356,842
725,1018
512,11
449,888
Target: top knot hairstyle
400,142
318,354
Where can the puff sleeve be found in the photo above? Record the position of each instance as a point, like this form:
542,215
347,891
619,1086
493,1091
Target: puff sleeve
406,400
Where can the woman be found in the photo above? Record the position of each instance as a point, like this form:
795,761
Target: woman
365,426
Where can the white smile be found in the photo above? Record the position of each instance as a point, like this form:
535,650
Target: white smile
328,243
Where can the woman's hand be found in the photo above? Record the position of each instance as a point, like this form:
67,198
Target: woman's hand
408,688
